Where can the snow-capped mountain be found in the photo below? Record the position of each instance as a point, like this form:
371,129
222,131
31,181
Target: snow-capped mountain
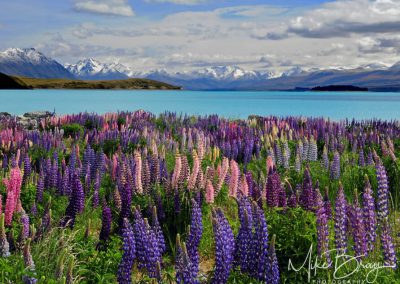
217,77
29,62
91,69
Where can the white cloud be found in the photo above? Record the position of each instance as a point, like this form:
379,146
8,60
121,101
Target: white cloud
342,33
343,18
109,7
179,2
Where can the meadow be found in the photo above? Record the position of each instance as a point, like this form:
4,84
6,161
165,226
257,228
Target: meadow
131,197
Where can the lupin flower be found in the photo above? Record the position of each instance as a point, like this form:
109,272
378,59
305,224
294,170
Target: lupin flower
183,265
293,199
297,162
29,264
369,215
278,153
147,247
117,199
195,172
4,245
222,173
96,189
210,192
361,158
224,247
195,233
24,233
126,200
39,190
335,166
177,170
325,159
273,276
13,186
234,178
76,202
370,159
327,204
105,225
340,221
244,187
244,240
262,261
322,228
389,253
383,192
307,193
312,150
129,254
27,169
273,189
157,230
138,173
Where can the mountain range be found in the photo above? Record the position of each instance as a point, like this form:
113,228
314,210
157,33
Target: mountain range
34,64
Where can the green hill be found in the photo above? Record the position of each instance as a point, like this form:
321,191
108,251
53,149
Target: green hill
9,82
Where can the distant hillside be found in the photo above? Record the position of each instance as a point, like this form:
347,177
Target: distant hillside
375,80
8,82
339,88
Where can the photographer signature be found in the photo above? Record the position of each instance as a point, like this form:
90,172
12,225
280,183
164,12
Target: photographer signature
340,262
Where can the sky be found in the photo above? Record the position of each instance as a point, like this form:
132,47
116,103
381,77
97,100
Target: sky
182,35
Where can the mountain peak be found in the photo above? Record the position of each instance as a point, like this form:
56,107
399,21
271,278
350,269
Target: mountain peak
92,69
28,62
395,67
24,54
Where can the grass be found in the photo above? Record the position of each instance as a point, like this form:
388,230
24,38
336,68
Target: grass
126,84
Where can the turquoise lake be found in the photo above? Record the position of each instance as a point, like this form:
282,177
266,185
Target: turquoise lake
334,105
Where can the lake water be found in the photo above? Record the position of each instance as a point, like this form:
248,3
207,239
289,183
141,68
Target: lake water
335,105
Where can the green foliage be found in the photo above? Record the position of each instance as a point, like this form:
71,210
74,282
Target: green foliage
72,129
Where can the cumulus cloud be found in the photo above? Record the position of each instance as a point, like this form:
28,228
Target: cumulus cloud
108,7
258,37
390,45
342,19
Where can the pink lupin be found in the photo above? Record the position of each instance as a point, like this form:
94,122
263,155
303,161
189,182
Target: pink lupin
244,187
177,170
195,171
138,173
209,192
234,179
13,185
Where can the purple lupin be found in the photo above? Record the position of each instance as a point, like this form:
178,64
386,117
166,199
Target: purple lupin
389,254
340,220
357,225
369,215
383,192
128,256
322,228
195,233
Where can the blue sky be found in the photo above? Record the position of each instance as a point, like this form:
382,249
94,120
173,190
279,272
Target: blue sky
187,34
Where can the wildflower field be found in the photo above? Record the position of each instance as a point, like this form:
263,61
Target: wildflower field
138,198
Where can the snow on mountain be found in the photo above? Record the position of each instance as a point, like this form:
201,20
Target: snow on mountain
91,69
216,77
395,67
28,62
294,71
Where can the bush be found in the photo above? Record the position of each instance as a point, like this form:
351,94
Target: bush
72,129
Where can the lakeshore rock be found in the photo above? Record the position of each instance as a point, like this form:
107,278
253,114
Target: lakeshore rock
30,120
